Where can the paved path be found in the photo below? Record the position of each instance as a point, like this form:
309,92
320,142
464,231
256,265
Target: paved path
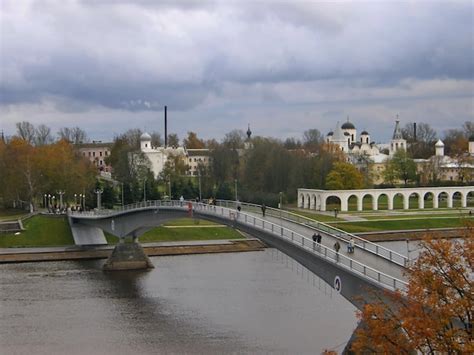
360,255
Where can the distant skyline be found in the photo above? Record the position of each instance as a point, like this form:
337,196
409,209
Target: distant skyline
284,67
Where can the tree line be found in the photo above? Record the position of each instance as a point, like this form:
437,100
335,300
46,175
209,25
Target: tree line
262,170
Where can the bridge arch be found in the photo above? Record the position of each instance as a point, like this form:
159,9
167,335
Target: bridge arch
415,201
429,199
353,202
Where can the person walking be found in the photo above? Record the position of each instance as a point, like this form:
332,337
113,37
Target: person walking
315,239
319,238
337,246
351,246
263,210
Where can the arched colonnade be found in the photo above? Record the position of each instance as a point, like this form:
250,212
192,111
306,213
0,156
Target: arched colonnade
318,199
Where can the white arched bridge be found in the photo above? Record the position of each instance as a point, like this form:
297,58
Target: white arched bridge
370,267
422,197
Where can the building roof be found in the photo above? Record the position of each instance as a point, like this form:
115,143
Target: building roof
94,145
348,125
198,152
364,133
145,137
397,132
439,144
330,133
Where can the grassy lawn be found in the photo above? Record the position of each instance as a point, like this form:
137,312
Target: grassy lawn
163,234
316,216
372,226
190,222
40,231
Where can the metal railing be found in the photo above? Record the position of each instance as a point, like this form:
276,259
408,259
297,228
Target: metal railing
304,242
362,243
277,230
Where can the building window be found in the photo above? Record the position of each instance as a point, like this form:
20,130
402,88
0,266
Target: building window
146,145
89,153
100,162
93,154
83,154
106,153
100,153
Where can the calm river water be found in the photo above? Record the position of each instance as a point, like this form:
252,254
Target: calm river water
257,302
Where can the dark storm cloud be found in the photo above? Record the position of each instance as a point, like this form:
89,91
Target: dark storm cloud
139,55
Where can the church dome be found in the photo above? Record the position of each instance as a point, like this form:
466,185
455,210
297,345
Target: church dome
348,125
439,143
364,133
330,133
145,137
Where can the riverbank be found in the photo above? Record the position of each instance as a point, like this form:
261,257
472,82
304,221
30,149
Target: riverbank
18,255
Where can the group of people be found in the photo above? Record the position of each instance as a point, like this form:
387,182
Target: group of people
337,246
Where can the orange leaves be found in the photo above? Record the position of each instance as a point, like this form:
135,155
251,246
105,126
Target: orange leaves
436,314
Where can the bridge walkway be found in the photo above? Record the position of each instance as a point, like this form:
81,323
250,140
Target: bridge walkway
368,253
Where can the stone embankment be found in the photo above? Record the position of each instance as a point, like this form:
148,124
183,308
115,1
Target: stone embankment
15,255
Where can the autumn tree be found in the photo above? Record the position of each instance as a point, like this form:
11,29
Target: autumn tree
26,131
193,142
344,176
312,139
74,135
400,167
43,135
422,144
173,140
435,314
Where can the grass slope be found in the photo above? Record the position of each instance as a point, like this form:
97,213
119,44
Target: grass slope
40,231
372,226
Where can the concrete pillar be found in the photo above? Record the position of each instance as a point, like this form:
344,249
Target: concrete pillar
390,201
464,200
323,203
344,203
308,201
435,200
360,200
312,205
421,201
450,200
375,203
406,202
300,201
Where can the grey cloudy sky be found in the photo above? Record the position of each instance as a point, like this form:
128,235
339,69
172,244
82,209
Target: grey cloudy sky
283,67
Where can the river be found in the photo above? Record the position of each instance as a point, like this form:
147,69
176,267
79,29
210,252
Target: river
255,302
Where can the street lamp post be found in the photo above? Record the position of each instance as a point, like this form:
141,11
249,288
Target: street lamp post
236,198
169,185
122,196
60,193
75,200
200,196
45,198
281,205
144,190
99,193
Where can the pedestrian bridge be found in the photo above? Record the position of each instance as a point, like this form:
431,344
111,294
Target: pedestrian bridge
318,199
370,267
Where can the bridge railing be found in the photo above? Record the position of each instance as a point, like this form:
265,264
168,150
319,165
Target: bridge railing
306,243
322,227
133,206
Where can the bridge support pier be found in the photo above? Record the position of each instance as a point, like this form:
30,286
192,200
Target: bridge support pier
128,256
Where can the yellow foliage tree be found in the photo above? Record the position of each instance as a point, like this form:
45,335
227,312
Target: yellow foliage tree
436,313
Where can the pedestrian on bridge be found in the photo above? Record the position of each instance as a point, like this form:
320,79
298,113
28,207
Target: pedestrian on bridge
315,239
337,246
263,210
351,246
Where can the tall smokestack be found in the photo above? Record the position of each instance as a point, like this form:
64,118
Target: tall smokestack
414,131
166,128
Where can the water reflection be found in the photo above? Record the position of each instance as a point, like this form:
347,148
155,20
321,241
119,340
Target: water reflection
243,302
